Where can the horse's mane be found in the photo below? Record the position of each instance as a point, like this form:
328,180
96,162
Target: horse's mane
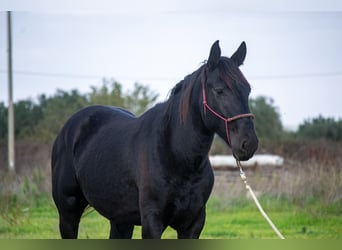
228,72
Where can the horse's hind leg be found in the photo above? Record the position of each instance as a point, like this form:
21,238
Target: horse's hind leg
120,231
69,216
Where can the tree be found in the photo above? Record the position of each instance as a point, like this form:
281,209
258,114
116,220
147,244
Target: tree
321,127
267,118
110,93
140,99
43,119
56,110
27,116
3,121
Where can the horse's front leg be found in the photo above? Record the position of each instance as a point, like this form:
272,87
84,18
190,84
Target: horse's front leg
152,224
193,231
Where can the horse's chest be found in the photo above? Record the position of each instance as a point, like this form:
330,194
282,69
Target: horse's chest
184,206
187,198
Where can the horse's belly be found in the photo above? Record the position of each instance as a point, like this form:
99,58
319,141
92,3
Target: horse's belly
119,211
112,191
120,207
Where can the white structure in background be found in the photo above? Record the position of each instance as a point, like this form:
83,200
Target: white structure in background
259,160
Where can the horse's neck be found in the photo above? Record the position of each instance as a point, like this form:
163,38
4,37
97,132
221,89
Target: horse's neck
189,138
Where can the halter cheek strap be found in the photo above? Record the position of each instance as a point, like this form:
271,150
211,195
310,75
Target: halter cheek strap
226,120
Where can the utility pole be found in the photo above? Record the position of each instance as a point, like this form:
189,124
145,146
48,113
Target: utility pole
11,145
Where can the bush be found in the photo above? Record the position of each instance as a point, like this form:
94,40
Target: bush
321,127
267,118
43,119
18,194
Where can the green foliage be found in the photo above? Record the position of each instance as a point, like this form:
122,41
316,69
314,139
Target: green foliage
43,120
27,116
140,99
321,127
56,110
13,210
3,121
111,93
18,195
273,138
267,119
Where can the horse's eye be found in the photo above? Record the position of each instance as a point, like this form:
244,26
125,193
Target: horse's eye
219,91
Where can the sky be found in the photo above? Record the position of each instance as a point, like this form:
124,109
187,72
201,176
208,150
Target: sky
293,55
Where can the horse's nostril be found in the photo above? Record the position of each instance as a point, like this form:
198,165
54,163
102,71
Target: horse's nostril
244,145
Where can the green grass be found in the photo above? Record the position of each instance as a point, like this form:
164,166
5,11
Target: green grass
241,219
234,219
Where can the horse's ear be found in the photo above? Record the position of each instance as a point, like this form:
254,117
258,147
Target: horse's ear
214,56
239,56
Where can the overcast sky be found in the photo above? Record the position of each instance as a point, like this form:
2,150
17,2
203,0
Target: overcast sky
293,57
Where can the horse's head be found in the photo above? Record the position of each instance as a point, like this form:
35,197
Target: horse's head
225,93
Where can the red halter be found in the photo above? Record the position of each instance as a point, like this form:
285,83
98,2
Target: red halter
226,120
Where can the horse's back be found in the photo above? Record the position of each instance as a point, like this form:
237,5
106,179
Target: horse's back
84,124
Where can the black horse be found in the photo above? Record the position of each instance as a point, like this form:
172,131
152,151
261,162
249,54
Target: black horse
153,170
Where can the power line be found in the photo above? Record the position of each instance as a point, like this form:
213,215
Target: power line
297,76
51,74
256,77
80,76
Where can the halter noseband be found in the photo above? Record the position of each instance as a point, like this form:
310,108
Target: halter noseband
226,120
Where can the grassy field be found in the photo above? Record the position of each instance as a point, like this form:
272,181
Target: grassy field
234,219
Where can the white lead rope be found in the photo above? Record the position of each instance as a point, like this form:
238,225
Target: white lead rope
244,179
